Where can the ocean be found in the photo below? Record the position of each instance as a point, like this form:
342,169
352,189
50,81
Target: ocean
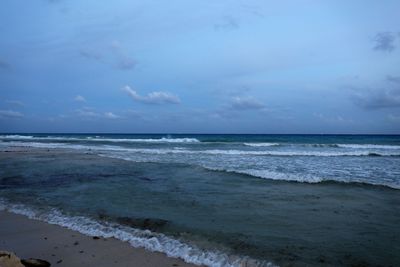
216,200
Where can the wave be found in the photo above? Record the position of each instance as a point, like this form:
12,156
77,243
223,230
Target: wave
232,152
301,178
368,146
296,153
350,146
272,175
101,139
261,144
135,237
156,140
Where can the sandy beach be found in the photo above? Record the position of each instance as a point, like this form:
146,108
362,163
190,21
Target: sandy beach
29,238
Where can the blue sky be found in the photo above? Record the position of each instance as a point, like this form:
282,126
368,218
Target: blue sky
200,66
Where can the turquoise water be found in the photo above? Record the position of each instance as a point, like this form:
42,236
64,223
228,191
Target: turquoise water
217,199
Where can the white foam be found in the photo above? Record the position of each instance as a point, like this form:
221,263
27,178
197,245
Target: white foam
156,140
135,237
368,146
272,175
307,178
298,153
101,139
261,144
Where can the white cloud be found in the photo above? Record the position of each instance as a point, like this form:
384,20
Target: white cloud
123,61
90,113
15,103
10,114
110,115
153,97
246,103
394,118
87,113
114,55
79,98
332,118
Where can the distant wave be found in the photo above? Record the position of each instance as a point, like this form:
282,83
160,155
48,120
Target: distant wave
350,146
100,139
358,153
135,237
159,140
368,146
261,144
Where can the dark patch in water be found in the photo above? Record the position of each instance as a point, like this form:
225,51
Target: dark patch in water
11,181
145,178
143,223
371,154
153,224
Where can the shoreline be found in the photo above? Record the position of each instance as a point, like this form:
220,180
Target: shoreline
29,238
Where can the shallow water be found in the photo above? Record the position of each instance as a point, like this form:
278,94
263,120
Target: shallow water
283,222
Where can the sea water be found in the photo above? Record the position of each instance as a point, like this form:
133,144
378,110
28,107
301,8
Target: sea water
218,200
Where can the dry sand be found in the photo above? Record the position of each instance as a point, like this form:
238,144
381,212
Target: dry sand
29,238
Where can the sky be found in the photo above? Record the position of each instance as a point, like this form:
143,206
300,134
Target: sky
200,66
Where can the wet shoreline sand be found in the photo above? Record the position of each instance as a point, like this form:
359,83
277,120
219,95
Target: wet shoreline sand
29,238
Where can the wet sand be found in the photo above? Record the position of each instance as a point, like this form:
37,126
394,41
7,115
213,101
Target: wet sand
29,238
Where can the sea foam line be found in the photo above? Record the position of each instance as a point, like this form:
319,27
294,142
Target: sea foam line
100,139
368,146
261,144
151,241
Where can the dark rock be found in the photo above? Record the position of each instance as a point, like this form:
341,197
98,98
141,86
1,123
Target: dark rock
59,261
35,263
4,254
96,237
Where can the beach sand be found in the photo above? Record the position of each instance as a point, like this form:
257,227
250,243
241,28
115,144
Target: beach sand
29,238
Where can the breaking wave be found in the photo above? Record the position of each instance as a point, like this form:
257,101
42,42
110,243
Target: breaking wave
301,178
135,237
261,144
